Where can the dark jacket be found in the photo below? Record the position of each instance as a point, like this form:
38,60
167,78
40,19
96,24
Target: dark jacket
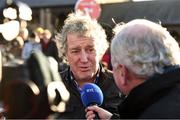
75,108
158,97
50,49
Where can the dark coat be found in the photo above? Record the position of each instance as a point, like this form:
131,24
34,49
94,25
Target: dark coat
158,97
50,49
75,108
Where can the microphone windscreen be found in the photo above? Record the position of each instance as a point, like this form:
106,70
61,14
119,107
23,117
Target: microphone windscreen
91,94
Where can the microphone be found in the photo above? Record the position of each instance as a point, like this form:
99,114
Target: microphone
91,94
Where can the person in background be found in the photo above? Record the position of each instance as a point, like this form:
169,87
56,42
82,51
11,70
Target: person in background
39,31
31,46
106,59
19,42
49,47
145,59
83,42
23,35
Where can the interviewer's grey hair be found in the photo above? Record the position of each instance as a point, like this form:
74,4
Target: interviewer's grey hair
83,25
144,47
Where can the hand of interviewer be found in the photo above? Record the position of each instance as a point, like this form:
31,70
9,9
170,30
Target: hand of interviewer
102,113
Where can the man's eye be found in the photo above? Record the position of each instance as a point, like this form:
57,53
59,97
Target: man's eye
91,50
74,51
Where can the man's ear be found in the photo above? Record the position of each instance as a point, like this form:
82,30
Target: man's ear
123,74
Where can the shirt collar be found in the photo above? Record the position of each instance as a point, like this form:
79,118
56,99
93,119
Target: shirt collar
72,78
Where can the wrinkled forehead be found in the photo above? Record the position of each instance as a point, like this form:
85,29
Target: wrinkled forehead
85,35
80,40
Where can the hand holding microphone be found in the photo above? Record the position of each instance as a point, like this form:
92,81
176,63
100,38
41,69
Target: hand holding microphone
102,113
92,97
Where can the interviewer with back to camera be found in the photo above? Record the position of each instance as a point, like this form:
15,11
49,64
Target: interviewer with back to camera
83,43
145,59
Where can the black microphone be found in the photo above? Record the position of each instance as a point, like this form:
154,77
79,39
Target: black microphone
91,94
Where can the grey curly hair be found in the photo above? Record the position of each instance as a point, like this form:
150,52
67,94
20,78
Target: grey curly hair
83,25
144,47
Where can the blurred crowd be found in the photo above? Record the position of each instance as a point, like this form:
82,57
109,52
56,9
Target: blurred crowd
18,50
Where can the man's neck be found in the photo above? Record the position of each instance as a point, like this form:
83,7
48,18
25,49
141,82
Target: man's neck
81,82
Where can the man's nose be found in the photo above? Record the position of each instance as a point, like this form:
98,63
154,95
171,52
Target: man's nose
84,56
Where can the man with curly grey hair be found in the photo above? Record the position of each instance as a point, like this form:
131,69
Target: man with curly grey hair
83,42
145,59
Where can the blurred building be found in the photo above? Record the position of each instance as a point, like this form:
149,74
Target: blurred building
165,12
51,13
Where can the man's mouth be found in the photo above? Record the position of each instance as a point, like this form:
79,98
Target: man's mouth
84,69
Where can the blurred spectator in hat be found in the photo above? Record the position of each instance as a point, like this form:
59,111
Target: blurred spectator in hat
39,31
